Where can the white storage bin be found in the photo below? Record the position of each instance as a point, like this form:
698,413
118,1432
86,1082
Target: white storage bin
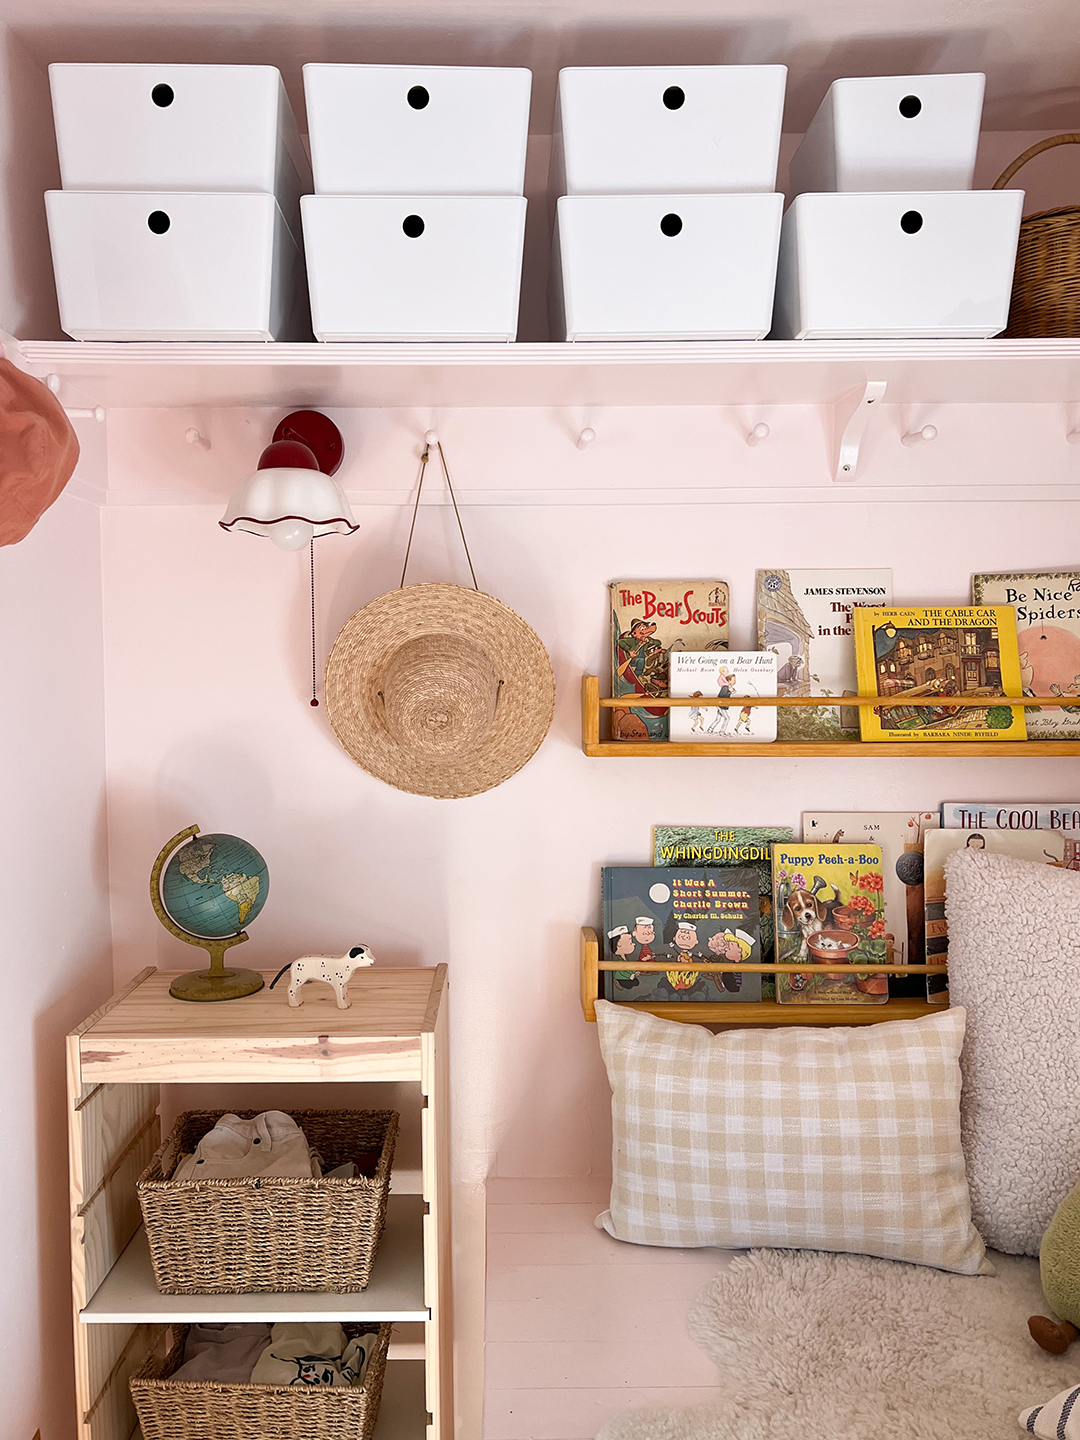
673,267
178,127
444,267
417,130
892,132
921,265
668,130
171,266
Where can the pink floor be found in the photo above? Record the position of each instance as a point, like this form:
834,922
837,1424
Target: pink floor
579,1326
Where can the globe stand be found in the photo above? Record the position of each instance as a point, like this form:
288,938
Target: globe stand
219,982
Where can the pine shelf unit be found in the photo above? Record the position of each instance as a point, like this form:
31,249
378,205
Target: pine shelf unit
596,748
141,1039
761,1012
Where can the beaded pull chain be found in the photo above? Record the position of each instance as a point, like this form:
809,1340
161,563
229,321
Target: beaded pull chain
314,697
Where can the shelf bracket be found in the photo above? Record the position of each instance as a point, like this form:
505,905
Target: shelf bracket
851,414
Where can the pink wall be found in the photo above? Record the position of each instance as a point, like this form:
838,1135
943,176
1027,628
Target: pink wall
53,852
57,962
206,666
29,167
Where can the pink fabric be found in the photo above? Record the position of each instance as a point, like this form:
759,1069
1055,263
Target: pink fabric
38,452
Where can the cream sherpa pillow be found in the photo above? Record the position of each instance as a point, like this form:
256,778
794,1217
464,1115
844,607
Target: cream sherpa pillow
804,1137
1014,963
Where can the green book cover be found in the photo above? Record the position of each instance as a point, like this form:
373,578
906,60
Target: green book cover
728,845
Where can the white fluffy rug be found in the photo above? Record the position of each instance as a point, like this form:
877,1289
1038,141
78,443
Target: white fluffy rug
839,1347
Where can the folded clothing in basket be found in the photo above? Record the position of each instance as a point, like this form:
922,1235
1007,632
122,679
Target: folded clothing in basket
313,1355
225,1353
267,1144
289,1353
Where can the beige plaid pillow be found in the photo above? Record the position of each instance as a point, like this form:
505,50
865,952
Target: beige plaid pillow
822,1138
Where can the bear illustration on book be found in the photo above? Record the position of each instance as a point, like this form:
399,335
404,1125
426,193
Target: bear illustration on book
649,620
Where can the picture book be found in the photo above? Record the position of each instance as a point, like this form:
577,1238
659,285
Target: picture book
741,845
649,619
704,673
804,618
828,904
1047,605
900,834
676,915
1040,845
950,651
996,815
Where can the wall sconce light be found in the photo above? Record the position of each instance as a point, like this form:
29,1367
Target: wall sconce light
291,496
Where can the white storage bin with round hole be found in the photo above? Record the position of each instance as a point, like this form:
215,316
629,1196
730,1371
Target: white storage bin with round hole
174,266
417,129
929,264
665,267
432,267
668,129
179,127
892,132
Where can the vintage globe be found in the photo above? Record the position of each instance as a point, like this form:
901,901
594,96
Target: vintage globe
214,885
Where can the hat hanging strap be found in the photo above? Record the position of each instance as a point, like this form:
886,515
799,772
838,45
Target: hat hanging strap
450,486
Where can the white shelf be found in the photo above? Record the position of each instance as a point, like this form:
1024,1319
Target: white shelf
626,373
129,1296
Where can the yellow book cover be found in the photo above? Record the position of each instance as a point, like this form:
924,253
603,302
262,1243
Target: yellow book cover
829,909
956,652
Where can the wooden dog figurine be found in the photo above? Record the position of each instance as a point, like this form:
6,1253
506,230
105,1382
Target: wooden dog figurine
336,972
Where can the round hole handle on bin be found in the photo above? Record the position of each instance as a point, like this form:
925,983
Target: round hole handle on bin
413,226
910,106
162,95
671,225
674,97
418,97
911,222
158,222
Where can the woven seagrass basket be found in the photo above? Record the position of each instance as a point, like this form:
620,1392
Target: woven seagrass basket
198,1410
1046,282
235,1237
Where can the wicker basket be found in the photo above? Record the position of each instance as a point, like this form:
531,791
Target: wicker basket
206,1410
1046,282
235,1237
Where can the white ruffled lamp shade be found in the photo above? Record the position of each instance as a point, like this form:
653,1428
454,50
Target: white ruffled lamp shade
292,506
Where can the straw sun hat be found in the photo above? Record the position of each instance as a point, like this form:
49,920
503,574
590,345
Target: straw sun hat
439,690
